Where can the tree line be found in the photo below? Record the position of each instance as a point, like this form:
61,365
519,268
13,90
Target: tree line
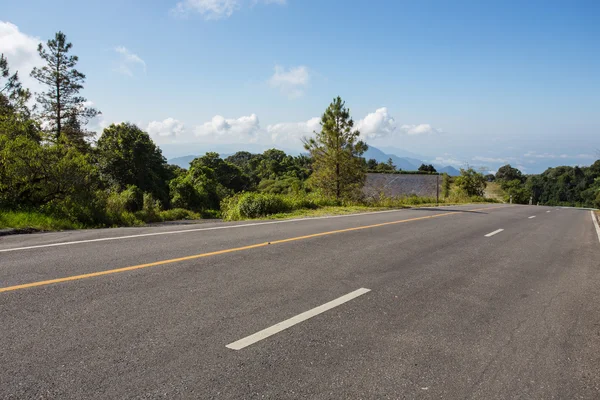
51,163
558,186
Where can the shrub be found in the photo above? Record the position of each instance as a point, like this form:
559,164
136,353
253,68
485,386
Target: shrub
151,209
285,185
471,182
34,220
253,205
178,214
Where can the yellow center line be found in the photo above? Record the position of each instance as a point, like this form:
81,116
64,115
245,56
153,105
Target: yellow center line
219,252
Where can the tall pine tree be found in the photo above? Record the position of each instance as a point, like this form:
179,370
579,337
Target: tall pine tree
63,111
339,170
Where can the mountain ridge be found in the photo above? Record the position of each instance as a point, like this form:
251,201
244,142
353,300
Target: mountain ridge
404,163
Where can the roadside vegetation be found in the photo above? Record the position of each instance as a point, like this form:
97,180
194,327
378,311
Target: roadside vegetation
559,186
56,174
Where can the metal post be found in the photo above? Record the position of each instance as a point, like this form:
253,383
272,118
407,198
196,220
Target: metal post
531,200
437,190
511,199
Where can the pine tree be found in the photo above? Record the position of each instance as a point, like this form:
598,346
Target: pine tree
13,97
61,104
339,170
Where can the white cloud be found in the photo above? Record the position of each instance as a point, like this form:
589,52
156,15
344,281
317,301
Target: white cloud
447,161
280,2
380,124
210,9
534,154
421,129
291,82
169,127
377,125
490,159
128,61
291,133
21,53
245,128
215,9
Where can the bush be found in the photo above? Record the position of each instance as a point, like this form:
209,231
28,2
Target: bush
255,205
471,182
178,214
285,185
151,209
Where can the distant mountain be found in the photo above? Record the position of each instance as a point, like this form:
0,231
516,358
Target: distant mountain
403,153
183,162
400,162
450,170
404,163
177,150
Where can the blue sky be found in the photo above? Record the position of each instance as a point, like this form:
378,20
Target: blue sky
476,82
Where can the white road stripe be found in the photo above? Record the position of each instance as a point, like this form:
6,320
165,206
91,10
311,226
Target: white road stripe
265,333
533,216
548,211
596,224
192,230
494,233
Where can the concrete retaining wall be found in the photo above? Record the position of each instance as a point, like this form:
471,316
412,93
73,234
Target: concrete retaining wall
398,185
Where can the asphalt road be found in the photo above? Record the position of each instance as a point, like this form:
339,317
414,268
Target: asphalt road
404,304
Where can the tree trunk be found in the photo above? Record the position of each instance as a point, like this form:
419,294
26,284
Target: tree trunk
337,180
58,99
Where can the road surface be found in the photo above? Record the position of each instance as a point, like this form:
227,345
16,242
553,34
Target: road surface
479,301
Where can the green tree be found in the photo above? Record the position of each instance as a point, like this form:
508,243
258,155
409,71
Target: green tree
338,169
13,97
386,166
371,164
471,182
519,192
128,156
446,184
427,168
61,103
35,175
508,173
226,174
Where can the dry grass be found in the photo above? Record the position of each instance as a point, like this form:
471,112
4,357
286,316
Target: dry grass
494,191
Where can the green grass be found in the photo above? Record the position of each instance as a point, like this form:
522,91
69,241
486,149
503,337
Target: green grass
32,220
351,209
293,207
28,220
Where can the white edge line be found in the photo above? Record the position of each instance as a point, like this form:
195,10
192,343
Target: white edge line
596,224
197,230
187,230
265,333
494,233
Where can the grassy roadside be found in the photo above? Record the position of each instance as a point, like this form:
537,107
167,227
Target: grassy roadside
494,191
28,221
344,210
24,222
